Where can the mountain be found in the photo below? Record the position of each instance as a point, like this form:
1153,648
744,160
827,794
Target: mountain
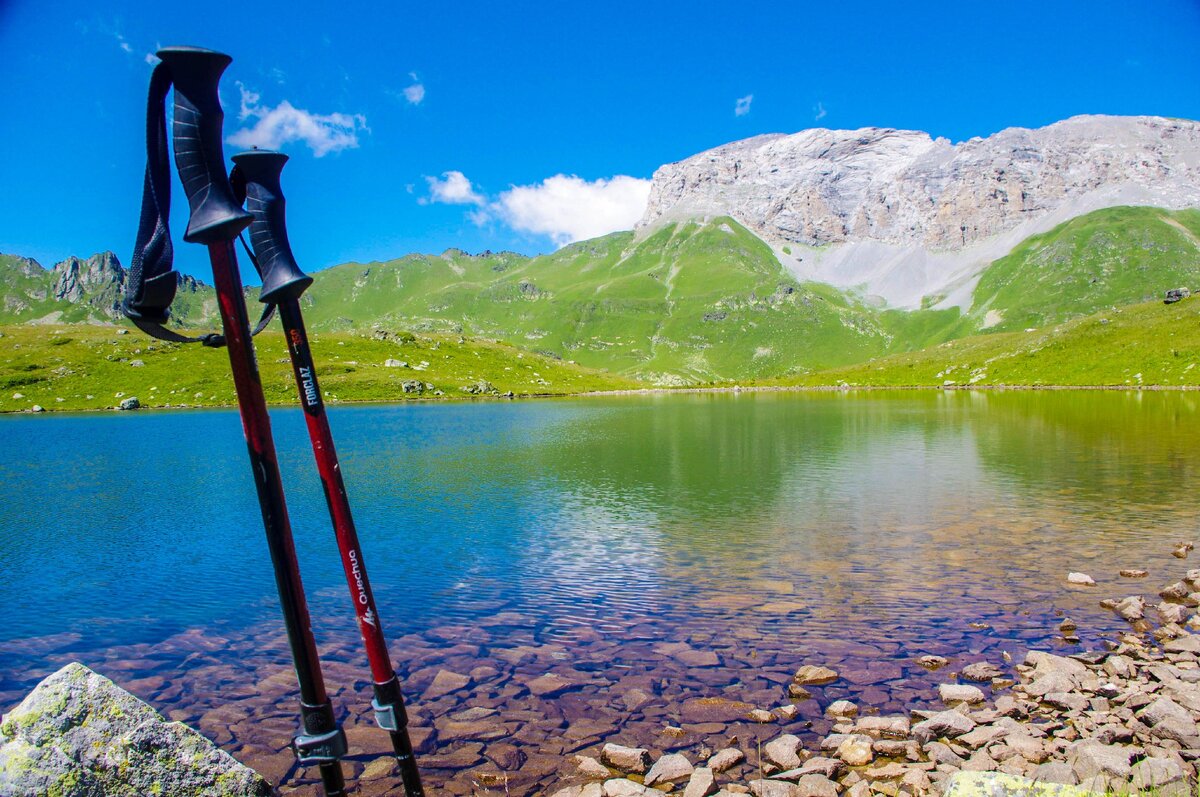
90,290
781,255
910,220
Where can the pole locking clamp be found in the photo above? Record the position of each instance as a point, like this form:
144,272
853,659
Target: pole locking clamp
320,748
385,716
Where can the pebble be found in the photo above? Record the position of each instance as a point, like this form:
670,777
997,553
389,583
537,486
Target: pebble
725,759
810,675
856,750
783,751
960,693
980,671
815,786
591,768
626,759
1081,578
670,768
702,783
841,708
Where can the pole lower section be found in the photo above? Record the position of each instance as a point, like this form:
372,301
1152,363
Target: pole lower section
389,700
321,739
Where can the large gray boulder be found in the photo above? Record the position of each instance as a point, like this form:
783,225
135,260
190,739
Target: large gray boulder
998,784
77,733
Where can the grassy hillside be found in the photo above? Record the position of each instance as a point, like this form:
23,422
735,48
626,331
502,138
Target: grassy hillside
692,302
72,367
1106,258
699,302
26,290
1143,344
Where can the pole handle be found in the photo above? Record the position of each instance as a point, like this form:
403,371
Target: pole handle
215,215
256,175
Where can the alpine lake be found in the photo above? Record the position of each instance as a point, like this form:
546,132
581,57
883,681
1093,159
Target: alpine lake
557,574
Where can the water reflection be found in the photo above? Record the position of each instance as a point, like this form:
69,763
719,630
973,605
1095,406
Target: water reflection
674,545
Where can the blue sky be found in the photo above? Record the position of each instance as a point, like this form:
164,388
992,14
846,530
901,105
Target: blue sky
421,126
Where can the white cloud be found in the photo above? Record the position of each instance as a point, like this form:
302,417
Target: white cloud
249,102
819,112
452,189
151,59
274,127
742,106
416,92
569,208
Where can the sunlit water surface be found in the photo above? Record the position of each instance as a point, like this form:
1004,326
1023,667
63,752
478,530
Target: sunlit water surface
648,550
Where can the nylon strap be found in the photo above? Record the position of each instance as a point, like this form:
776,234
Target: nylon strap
152,281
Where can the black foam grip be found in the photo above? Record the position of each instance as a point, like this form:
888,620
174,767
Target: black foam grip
215,215
259,173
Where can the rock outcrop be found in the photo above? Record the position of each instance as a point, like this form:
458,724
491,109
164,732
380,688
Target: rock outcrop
87,289
79,733
75,279
910,215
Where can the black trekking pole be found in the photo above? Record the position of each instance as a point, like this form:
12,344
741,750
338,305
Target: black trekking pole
216,220
256,176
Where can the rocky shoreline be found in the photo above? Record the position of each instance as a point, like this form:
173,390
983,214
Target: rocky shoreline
1121,720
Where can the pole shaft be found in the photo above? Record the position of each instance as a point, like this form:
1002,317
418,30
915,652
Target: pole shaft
353,562
256,426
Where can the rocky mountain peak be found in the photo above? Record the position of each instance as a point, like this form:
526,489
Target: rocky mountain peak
74,279
895,203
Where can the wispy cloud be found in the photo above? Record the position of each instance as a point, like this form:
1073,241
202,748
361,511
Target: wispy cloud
742,106
274,127
452,188
819,112
106,28
416,92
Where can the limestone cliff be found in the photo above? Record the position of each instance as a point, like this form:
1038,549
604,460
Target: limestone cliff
903,216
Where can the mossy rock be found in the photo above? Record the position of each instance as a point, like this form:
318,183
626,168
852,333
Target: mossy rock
77,733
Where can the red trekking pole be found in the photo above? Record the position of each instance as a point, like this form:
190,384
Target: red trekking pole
256,176
216,219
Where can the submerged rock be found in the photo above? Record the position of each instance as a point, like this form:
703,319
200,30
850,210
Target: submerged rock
810,675
626,759
980,671
79,733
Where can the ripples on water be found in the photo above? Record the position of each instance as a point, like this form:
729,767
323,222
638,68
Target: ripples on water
602,534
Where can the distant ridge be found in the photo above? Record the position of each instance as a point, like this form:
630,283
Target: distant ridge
85,290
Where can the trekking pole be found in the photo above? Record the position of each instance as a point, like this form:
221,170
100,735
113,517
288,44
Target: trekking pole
256,175
215,220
